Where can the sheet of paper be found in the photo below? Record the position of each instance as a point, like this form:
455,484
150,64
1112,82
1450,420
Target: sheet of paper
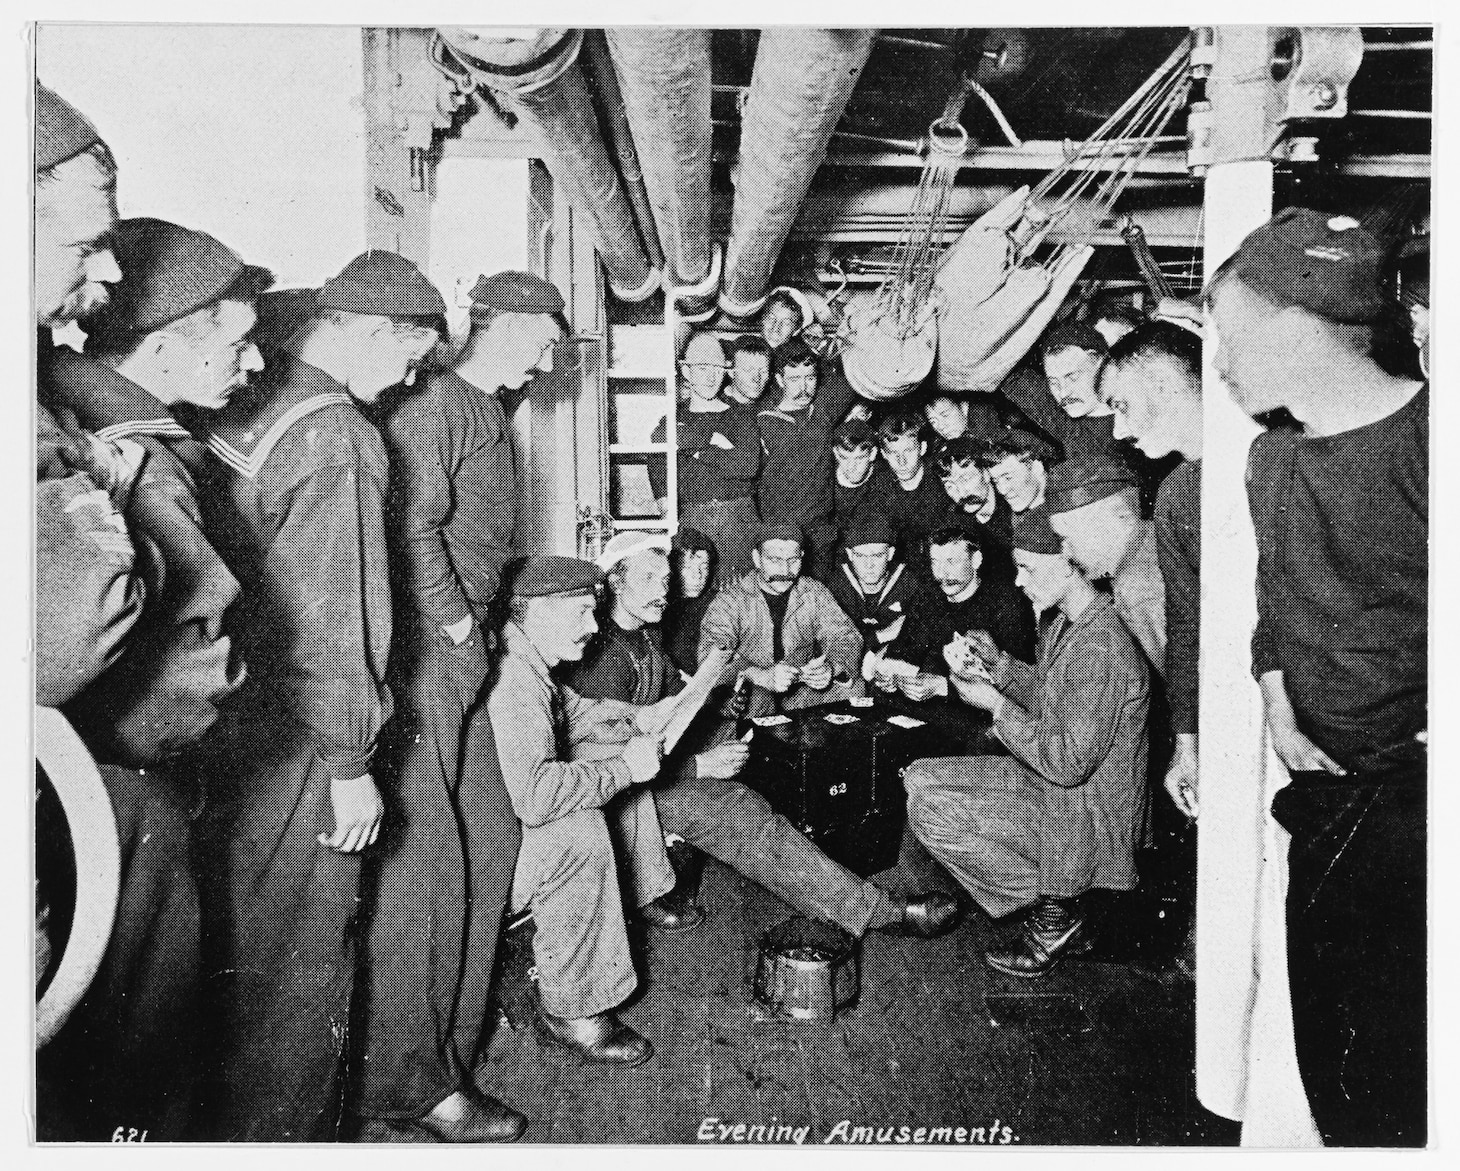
770,721
693,697
718,440
906,722
841,718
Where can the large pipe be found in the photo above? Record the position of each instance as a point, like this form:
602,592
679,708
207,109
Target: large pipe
665,77
604,82
541,82
802,81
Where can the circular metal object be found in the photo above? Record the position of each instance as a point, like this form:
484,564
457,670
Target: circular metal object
93,827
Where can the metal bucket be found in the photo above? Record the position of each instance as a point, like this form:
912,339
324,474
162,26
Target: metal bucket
807,970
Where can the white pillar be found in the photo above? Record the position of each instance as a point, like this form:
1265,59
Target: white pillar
1245,1065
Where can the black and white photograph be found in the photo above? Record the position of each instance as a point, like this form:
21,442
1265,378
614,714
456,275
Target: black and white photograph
738,585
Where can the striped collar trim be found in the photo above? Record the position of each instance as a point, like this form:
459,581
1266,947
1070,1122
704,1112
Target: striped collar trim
250,465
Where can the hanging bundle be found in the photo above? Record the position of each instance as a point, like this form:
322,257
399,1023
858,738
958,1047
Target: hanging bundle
893,339
999,286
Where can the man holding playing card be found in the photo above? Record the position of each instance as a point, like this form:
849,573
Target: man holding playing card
1033,831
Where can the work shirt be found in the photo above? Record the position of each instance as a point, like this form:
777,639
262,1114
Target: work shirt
453,501
631,666
163,695
799,469
912,514
718,457
1140,594
1077,719
295,503
739,620
681,629
996,607
536,723
1178,552
1342,526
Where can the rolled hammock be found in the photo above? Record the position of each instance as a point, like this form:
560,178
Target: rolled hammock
983,304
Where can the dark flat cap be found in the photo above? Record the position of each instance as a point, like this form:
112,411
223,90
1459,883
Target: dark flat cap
853,433
868,528
551,577
168,271
516,292
61,130
1328,265
1015,443
1076,334
383,283
1033,534
1083,481
778,532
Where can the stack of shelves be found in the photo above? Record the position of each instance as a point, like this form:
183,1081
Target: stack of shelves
641,396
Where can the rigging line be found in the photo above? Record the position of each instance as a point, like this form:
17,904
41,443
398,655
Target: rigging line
1177,60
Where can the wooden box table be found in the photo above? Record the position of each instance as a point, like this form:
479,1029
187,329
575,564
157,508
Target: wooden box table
835,773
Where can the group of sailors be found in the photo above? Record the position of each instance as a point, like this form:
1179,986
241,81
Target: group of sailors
346,725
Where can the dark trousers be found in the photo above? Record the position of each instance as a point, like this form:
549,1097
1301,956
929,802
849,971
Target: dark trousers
735,825
440,881
127,1056
1356,955
278,943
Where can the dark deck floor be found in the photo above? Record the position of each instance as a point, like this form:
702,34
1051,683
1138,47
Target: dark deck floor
1092,1054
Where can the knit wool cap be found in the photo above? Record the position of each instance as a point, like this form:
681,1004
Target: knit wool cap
626,545
1328,265
1076,334
514,292
868,528
1080,482
779,532
383,283
1033,534
168,271
854,433
551,577
61,131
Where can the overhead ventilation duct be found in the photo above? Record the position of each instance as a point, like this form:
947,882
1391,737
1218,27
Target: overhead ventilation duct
802,81
599,70
665,77
540,80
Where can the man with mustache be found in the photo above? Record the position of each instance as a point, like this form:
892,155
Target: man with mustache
967,599
444,871
784,631
1033,831
977,507
565,759
295,499
126,1052
698,800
